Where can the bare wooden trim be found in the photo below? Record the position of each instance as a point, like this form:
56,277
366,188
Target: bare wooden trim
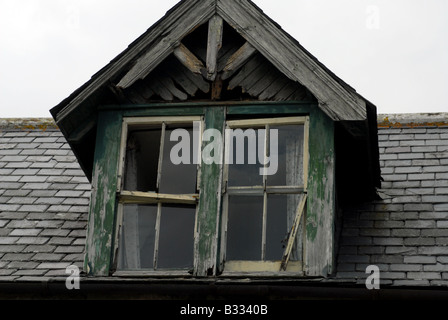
160,120
264,227
135,197
285,189
160,164
293,233
188,59
118,232
306,153
157,236
161,273
122,158
245,191
237,60
214,44
269,121
260,266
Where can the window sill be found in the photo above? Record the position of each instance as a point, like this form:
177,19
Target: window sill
152,273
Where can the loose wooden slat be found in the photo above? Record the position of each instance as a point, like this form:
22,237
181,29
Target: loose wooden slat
274,88
245,71
182,80
195,79
286,91
214,44
161,90
169,84
293,233
134,197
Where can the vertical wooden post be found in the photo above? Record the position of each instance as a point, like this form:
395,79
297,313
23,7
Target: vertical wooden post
101,223
206,242
215,30
319,246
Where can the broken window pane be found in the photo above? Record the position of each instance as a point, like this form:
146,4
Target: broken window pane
244,229
290,156
137,237
176,243
276,226
178,178
142,161
281,212
142,158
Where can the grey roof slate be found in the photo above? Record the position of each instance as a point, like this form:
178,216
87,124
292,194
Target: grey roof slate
406,233
44,199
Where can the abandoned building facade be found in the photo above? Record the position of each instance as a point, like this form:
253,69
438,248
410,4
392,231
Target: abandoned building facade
96,188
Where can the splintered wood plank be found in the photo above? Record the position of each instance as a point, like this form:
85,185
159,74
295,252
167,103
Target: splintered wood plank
274,88
269,77
182,80
293,233
134,197
160,89
194,78
286,91
214,44
237,60
299,94
245,71
254,77
134,95
169,84
188,59
228,49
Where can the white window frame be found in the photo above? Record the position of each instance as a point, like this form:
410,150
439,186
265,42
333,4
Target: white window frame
238,267
136,197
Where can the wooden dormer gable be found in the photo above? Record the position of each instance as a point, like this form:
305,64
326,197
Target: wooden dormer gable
205,51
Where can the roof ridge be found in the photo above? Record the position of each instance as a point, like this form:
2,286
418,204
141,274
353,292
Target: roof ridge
28,123
436,119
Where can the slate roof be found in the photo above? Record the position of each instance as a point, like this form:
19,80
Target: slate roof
44,199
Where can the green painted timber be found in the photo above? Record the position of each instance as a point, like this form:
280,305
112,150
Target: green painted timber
319,244
206,244
103,204
319,225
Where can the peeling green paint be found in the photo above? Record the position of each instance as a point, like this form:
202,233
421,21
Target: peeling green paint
104,183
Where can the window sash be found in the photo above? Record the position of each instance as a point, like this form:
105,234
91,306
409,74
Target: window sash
234,266
163,122
151,198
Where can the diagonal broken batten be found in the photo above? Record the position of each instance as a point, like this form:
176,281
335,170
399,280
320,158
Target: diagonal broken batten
293,233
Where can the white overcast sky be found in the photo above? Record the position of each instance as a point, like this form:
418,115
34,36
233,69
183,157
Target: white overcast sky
393,52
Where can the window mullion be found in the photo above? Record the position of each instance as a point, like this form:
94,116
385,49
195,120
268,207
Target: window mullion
162,147
263,242
157,235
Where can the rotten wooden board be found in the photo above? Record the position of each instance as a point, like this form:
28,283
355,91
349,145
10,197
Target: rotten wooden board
214,44
188,59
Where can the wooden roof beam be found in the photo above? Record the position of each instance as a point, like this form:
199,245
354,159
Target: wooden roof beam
237,60
214,44
188,59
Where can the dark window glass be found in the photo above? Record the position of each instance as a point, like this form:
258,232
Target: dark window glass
244,229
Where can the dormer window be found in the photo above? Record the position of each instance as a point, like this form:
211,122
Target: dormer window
157,197
223,74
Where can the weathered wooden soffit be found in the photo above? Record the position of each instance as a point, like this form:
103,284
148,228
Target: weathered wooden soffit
210,50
